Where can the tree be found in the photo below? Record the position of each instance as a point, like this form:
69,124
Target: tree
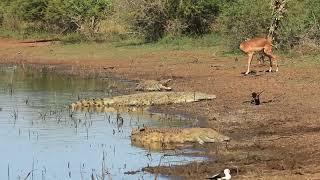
243,19
77,15
279,8
29,10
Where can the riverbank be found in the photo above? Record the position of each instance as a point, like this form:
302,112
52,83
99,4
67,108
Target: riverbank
278,139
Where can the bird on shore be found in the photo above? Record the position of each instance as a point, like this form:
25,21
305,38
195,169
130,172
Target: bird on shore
221,176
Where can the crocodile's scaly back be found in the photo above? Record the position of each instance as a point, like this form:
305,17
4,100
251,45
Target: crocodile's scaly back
161,138
144,99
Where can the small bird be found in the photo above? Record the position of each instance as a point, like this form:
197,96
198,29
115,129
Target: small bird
256,98
222,176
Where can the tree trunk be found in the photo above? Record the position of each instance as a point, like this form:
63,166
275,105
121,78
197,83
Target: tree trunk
279,9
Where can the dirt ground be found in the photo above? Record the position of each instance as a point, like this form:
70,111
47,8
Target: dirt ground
279,139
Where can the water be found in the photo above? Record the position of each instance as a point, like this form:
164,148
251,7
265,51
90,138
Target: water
41,139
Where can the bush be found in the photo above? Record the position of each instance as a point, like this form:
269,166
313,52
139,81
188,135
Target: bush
74,38
151,19
195,16
58,15
301,24
77,15
154,19
2,11
1,18
30,10
242,19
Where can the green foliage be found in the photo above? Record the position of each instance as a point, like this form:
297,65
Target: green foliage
195,16
185,42
301,25
87,14
30,10
294,25
1,16
3,7
242,19
162,20
154,19
314,21
57,15
74,38
151,20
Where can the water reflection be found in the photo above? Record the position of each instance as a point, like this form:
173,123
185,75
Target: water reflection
41,139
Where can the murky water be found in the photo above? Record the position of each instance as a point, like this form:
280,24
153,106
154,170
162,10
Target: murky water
41,139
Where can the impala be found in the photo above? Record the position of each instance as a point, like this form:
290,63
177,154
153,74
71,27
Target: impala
259,44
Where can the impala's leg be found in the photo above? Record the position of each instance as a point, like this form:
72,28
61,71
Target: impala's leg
268,52
250,55
261,57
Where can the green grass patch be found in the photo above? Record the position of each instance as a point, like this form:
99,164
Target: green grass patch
28,33
186,43
78,47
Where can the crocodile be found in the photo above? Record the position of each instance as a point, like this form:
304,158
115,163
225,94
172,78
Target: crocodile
157,138
143,99
153,85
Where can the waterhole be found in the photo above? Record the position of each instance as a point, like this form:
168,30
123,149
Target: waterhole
41,139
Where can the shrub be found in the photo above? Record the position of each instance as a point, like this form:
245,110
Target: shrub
31,10
151,20
242,19
195,16
154,19
77,15
1,18
58,15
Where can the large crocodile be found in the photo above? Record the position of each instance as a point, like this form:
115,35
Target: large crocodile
159,138
144,99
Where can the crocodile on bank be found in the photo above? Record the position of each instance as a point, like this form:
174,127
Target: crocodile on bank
163,138
144,99
153,85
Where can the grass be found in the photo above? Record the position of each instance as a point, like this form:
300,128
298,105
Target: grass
25,34
129,48
78,47
186,43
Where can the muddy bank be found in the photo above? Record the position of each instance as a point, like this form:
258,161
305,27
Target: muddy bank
276,140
